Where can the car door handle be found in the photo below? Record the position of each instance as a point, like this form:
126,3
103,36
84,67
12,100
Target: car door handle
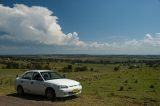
21,81
31,82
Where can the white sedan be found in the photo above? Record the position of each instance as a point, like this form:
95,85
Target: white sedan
47,82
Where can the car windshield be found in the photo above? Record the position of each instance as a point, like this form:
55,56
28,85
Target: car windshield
51,75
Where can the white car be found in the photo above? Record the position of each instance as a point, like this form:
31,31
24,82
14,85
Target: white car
47,82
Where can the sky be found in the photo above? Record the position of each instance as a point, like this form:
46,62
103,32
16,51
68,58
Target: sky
80,27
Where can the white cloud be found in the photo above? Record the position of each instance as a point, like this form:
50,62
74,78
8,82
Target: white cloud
39,25
36,24
148,40
133,42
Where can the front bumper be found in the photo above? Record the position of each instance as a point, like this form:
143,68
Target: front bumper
70,91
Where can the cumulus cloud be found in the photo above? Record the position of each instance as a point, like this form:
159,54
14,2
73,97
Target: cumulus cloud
34,24
148,40
37,25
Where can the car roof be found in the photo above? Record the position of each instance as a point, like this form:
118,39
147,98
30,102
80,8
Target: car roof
38,70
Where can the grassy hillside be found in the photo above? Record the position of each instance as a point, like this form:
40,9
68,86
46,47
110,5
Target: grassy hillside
103,84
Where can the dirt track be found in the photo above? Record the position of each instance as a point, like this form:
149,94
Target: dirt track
27,100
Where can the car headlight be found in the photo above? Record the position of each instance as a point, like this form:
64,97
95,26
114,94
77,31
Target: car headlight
63,86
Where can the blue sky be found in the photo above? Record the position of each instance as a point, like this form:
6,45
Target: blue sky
95,27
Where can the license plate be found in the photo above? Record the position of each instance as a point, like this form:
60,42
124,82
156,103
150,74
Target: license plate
75,91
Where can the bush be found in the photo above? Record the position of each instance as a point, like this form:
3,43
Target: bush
121,88
12,65
47,67
68,68
91,69
119,77
116,68
151,86
135,81
129,87
126,81
36,66
83,68
131,67
111,94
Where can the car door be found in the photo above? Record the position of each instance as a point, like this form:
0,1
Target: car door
26,82
37,84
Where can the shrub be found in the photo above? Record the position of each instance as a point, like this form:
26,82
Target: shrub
11,65
116,68
91,69
76,69
47,67
68,68
119,77
135,81
131,67
151,86
121,88
126,81
129,87
111,94
83,68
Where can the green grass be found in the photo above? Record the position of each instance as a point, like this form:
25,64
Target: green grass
140,85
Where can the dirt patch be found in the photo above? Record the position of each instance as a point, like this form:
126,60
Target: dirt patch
17,101
28,100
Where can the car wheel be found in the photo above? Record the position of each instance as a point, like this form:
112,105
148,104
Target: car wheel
20,91
50,94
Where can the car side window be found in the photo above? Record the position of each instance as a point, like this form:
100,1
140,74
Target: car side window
46,76
27,75
37,76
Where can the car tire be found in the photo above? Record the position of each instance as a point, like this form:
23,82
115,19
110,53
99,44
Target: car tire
20,90
50,94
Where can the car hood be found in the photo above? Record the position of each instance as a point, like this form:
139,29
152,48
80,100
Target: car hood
67,82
